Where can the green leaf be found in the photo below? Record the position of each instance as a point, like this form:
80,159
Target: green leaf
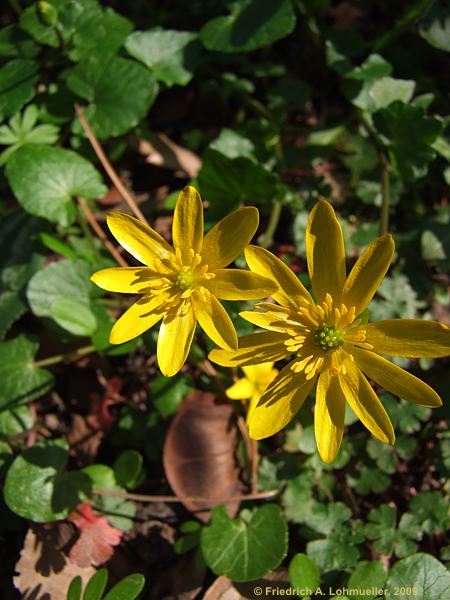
31,22
171,55
382,528
368,480
119,92
367,576
75,588
332,553
15,420
96,585
102,477
119,512
61,281
421,576
245,549
6,456
11,308
17,80
21,380
430,509
37,489
381,93
252,24
229,182
128,589
128,469
46,180
232,144
304,573
168,393
435,27
409,135
15,43
73,316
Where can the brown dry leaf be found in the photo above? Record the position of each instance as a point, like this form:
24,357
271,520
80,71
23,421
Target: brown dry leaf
163,152
44,569
199,454
225,589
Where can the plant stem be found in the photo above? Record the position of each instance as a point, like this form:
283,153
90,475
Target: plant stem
145,498
82,221
15,5
90,218
107,165
267,237
54,360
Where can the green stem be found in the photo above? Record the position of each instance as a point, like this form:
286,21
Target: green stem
275,214
15,5
54,360
385,193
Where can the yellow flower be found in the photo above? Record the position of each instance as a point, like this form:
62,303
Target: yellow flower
182,285
331,343
253,385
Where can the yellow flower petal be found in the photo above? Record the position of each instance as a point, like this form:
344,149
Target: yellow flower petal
214,320
237,284
127,280
367,273
365,403
412,338
242,389
325,252
291,291
142,315
140,240
258,372
274,320
394,379
174,340
253,349
329,413
187,227
228,238
279,404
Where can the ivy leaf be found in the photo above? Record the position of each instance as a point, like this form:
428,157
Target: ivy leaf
45,180
368,480
409,134
382,528
171,55
17,80
21,380
15,420
245,548
332,553
73,316
119,92
421,575
435,27
229,182
12,307
430,509
252,24
232,144
36,487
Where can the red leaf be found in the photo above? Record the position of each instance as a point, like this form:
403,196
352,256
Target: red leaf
97,538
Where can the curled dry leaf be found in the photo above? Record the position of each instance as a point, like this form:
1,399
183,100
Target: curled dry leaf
44,571
199,454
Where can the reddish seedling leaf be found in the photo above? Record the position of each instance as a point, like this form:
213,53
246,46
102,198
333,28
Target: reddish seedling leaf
97,538
199,454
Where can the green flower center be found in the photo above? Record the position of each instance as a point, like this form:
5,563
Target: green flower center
185,280
328,338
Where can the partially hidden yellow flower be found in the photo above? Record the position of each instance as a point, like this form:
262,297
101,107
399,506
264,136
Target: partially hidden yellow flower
182,285
253,385
332,344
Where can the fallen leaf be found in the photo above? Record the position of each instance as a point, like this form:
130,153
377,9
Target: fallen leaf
163,152
100,416
199,454
97,538
44,571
